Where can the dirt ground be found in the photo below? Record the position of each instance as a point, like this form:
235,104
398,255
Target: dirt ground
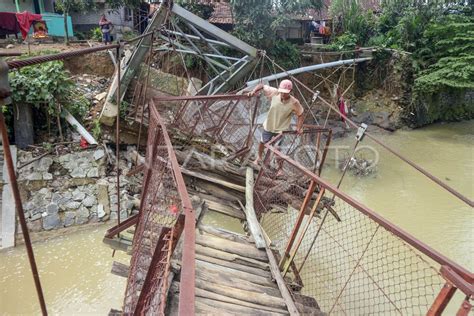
99,63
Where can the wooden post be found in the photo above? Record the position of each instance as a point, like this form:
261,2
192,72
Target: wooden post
250,211
285,293
23,125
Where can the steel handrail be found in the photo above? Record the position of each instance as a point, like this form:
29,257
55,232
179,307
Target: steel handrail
394,229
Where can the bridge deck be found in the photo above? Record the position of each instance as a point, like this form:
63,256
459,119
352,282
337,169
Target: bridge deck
233,277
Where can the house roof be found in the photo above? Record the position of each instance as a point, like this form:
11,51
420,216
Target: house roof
324,14
222,13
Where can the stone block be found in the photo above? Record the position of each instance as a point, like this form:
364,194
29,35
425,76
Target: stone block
82,216
51,221
89,201
52,208
69,218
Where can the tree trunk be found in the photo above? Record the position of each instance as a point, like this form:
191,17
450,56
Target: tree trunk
66,34
23,124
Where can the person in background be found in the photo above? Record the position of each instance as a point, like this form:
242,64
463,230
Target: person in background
314,27
283,106
105,27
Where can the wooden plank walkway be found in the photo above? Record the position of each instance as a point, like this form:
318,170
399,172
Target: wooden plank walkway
233,275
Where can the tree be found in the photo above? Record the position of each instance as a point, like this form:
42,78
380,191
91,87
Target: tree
256,22
67,6
47,88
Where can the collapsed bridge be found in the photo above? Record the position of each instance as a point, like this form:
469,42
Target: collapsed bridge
309,247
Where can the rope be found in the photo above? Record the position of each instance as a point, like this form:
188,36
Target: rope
15,64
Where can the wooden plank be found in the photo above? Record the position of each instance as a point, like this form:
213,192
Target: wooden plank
248,296
205,189
231,257
221,182
285,293
210,267
224,209
118,244
206,306
120,269
225,234
250,211
223,279
307,305
232,247
236,266
8,206
115,312
222,298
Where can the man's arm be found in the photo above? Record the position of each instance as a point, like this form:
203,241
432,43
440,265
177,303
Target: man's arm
256,89
268,91
299,124
299,112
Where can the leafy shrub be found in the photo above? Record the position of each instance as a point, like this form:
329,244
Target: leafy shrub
47,86
346,41
96,34
285,54
128,35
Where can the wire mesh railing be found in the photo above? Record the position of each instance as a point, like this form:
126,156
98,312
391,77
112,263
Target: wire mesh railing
350,259
165,211
227,122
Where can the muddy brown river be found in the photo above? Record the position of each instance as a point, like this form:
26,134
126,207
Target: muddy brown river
75,269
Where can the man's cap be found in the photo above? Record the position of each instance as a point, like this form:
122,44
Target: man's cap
285,86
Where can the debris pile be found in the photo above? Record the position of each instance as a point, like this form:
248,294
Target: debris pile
92,87
359,166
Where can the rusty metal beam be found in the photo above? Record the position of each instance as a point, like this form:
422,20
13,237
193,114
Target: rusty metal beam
466,287
305,229
299,221
152,270
465,308
187,293
442,300
117,229
5,93
397,231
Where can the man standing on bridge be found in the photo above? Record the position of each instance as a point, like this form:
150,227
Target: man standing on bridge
282,107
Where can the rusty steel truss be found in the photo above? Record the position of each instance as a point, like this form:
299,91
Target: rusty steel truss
165,213
348,257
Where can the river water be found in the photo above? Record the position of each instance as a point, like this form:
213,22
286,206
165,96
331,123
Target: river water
75,269
409,199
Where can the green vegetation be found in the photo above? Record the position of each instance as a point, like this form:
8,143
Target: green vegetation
257,24
96,34
47,87
438,40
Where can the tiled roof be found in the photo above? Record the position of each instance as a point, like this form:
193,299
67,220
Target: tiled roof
222,13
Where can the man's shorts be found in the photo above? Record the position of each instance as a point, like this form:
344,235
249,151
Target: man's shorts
106,37
267,136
